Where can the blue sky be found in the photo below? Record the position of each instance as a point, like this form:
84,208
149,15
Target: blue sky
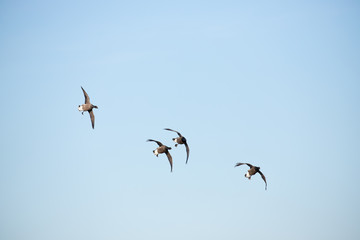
275,84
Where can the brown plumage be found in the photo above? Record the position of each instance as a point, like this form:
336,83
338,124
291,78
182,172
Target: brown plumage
180,140
252,171
162,149
88,107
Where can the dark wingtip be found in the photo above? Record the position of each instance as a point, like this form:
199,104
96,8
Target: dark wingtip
237,164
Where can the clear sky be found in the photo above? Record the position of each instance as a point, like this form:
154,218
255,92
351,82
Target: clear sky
272,83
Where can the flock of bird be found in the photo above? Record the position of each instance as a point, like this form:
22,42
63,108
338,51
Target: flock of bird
165,149
87,106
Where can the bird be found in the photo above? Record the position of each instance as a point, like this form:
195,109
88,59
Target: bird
180,140
252,171
162,149
88,107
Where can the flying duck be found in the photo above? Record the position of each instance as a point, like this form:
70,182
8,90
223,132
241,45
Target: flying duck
88,107
162,149
180,140
252,171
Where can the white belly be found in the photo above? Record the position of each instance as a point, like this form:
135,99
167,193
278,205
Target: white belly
80,108
156,152
247,175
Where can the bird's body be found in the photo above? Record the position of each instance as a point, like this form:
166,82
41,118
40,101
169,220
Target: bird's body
87,106
180,140
162,149
252,171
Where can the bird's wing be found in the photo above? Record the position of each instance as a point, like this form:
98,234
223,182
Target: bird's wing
263,177
87,99
187,152
92,117
173,131
151,140
170,159
239,164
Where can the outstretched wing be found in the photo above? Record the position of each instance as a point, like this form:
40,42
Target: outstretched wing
173,131
187,152
92,117
170,159
151,140
263,177
87,99
239,164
